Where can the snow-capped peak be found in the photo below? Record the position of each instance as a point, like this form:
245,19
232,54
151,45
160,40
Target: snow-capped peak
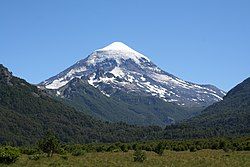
117,46
122,68
121,47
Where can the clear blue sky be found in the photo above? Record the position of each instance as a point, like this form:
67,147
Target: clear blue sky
203,41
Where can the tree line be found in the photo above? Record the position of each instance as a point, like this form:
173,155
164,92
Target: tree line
50,145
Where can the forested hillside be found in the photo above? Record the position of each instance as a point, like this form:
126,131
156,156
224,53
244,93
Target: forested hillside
26,113
126,107
229,117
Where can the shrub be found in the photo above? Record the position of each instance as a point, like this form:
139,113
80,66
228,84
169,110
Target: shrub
34,157
124,148
29,151
62,151
215,146
49,144
100,149
135,146
148,148
116,150
198,147
113,148
226,149
159,149
65,157
78,152
247,148
192,149
139,156
179,148
9,154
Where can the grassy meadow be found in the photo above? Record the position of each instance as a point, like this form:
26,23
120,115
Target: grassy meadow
217,158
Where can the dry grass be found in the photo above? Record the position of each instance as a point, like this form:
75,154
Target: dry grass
217,158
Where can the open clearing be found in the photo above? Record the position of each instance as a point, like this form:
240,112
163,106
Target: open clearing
205,158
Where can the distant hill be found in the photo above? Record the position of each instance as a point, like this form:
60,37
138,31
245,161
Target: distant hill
229,117
27,112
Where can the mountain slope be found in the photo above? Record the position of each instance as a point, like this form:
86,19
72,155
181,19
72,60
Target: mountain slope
132,109
133,88
26,113
229,117
118,67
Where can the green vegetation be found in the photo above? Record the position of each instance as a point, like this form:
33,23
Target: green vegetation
229,117
8,154
49,145
159,149
113,154
235,144
125,107
34,157
139,155
78,152
203,158
27,113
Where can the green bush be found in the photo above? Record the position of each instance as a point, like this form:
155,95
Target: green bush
192,149
226,149
29,151
113,148
139,156
135,146
124,148
116,150
49,144
65,157
61,151
78,152
179,147
247,148
198,147
34,157
148,148
100,149
9,154
159,149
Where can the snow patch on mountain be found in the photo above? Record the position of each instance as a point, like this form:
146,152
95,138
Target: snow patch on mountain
121,47
56,84
118,52
117,71
123,68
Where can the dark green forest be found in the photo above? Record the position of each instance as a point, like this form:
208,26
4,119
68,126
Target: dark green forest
27,113
229,117
126,107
